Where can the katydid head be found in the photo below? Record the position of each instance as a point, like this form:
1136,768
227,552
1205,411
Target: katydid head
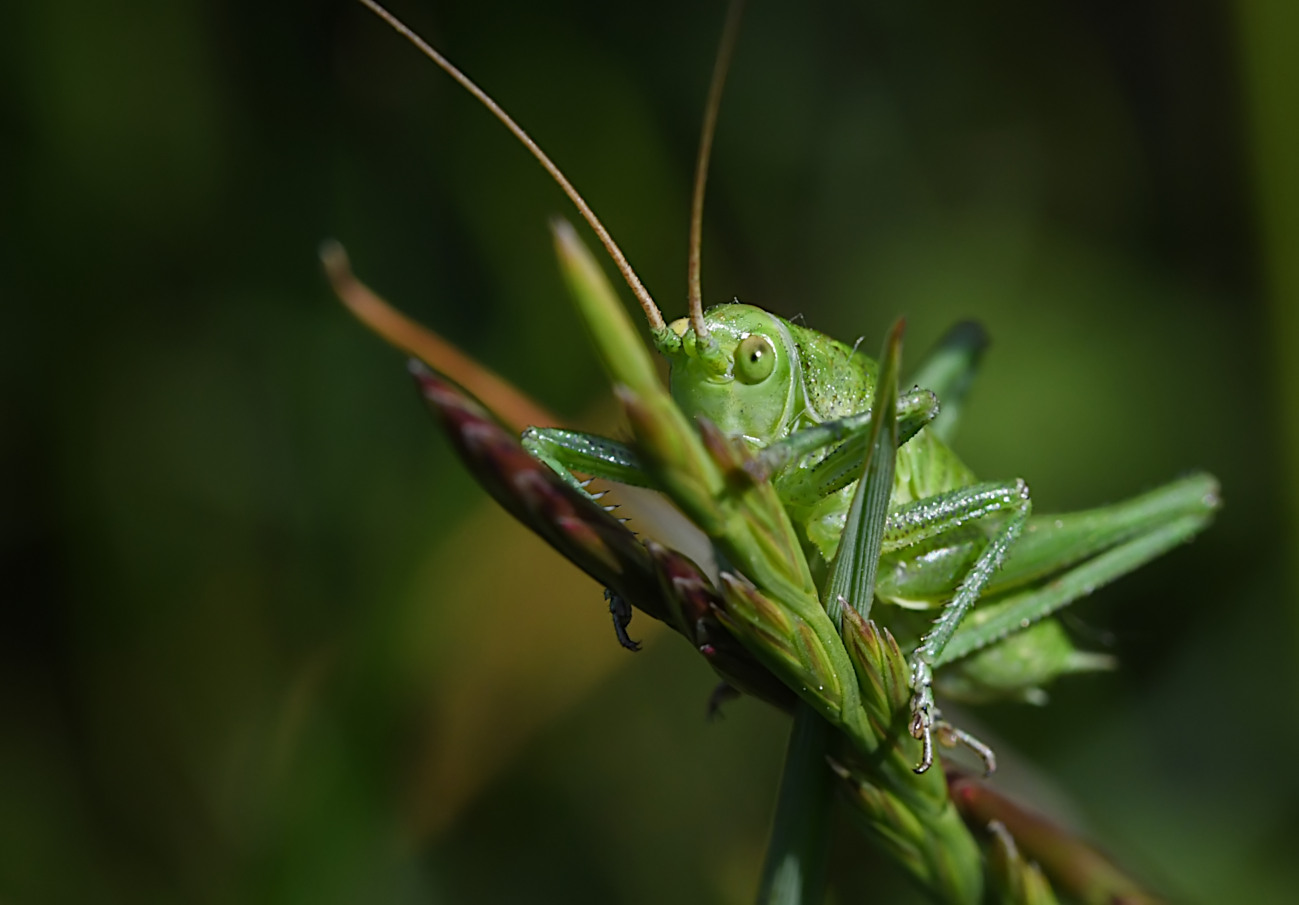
745,382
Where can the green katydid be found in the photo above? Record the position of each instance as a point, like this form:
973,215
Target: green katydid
800,403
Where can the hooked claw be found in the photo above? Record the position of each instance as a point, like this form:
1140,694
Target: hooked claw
925,719
921,728
922,712
620,609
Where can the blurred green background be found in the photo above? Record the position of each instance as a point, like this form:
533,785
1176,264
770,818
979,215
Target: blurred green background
266,642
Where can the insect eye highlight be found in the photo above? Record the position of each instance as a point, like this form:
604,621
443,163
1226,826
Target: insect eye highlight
755,359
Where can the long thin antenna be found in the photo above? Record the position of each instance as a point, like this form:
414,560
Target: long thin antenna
652,312
724,52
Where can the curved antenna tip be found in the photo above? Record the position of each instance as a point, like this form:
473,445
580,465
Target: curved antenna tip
334,257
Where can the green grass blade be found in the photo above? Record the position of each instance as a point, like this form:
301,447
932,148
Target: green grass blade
852,574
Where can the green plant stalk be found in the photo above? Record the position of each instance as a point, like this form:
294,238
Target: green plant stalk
856,681
794,872
797,855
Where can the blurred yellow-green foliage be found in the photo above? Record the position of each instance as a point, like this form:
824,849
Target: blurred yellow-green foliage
266,642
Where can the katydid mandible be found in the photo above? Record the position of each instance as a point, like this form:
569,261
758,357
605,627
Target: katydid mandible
800,401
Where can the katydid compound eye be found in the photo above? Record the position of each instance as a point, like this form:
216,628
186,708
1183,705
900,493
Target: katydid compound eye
755,358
